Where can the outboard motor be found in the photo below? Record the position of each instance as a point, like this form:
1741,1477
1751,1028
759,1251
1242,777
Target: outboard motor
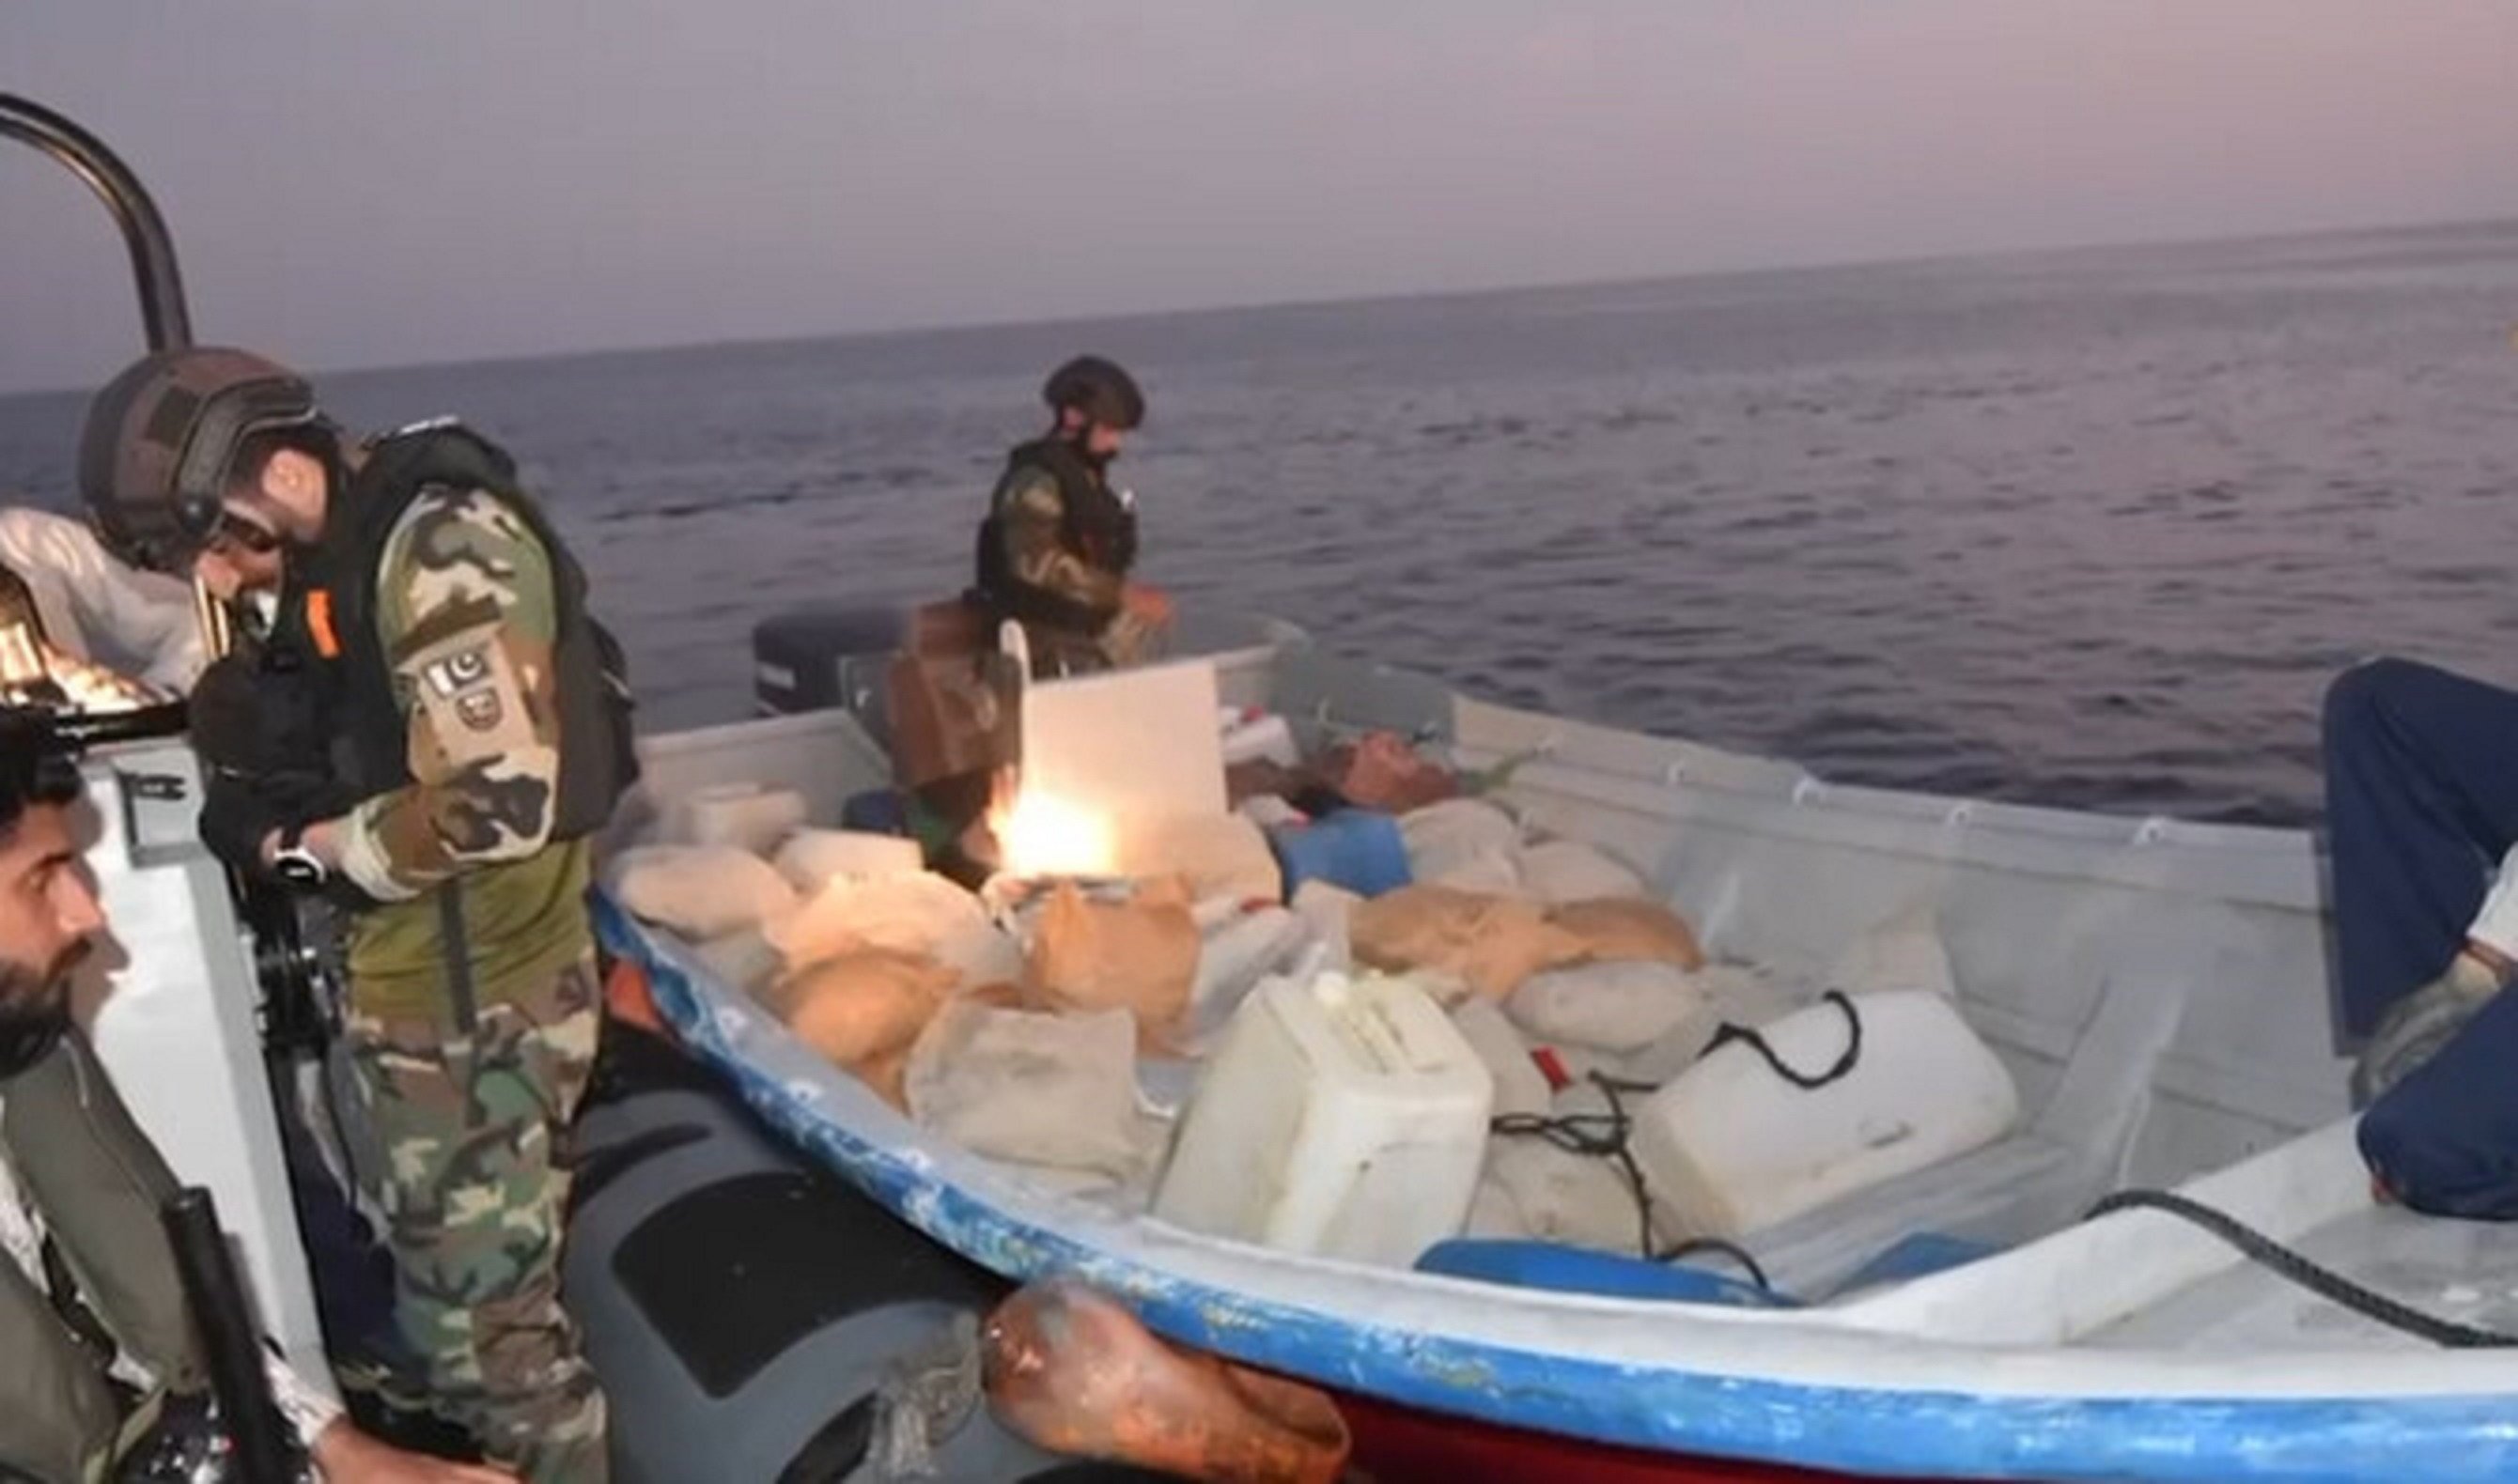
746,1309
817,658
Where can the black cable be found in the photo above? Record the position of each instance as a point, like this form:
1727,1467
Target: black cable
1845,1064
1603,1135
2324,1282
1720,1249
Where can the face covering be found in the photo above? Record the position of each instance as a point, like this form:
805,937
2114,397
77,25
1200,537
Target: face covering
35,1011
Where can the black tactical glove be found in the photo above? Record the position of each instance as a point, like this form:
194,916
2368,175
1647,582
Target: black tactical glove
254,719
236,817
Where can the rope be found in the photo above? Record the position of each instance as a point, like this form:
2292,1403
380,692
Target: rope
1603,1135
1756,1041
2324,1282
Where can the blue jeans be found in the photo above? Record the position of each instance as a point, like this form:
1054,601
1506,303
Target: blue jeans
2422,802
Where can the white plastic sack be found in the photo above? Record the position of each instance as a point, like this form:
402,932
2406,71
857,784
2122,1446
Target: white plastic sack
1232,959
1468,844
1033,1089
1328,912
1557,872
1727,994
139,623
742,960
1903,952
923,914
745,816
699,891
1519,1086
1613,1007
1494,1214
812,859
1560,1196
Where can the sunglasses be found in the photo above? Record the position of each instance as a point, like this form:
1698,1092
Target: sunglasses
234,533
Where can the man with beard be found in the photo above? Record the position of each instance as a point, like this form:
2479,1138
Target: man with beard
1057,545
97,1329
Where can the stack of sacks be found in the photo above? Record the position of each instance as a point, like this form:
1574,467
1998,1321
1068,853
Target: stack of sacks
844,938
1466,844
921,914
1475,845
1495,944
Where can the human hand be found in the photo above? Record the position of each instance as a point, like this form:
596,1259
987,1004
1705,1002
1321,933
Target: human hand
2424,1021
347,1456
1150,606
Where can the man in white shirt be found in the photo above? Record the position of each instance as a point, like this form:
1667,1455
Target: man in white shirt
90,1306
134,623
2421,811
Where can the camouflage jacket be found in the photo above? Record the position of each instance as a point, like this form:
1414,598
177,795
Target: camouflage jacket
467,613
1057,544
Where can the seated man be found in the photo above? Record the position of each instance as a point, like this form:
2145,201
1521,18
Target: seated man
94,1313
1057,547
135,622
2421,808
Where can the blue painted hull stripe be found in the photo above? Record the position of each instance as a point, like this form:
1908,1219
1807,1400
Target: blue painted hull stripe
1852,1429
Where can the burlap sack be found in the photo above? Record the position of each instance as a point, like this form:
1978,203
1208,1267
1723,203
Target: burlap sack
862,1011
1628,930
1490,943
1139,955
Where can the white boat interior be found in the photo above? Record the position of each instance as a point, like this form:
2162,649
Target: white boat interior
2159,992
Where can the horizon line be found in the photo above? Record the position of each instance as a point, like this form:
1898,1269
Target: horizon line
1924,258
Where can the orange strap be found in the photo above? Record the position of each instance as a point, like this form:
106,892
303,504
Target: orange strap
630,998
318,624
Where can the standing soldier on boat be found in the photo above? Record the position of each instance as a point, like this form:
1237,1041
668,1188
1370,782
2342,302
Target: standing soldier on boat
477,734
1058,543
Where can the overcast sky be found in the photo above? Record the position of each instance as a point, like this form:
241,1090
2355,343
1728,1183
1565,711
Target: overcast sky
362,183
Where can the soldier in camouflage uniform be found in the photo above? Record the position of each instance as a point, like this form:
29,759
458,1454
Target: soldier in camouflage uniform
1057,547
473,710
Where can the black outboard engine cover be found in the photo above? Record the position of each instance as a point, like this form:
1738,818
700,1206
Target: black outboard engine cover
744,1308
817,658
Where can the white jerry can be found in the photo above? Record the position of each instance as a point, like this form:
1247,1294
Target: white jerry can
1342,1117
1732,1145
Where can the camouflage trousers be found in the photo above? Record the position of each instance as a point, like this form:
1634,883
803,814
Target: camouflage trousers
469,1125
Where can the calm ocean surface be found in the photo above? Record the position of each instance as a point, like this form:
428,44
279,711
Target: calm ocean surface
2085,528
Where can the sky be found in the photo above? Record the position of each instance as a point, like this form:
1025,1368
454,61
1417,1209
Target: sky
359,183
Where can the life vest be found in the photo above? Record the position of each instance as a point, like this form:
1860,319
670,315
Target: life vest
1094,524
99,1184
331,617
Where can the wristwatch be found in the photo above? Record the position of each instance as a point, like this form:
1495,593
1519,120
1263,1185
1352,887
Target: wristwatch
296,865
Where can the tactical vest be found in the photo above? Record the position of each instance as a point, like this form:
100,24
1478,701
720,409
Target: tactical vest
331,613
1094,524
99,1184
